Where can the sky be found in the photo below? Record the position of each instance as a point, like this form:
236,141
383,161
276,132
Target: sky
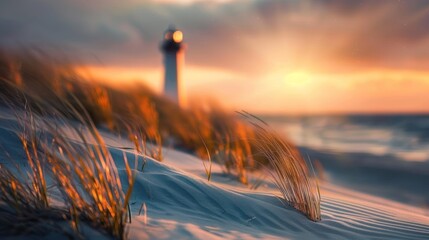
263,56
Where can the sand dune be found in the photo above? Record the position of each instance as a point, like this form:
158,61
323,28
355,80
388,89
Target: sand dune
187,206
182,204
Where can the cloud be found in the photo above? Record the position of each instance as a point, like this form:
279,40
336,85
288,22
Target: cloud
243,36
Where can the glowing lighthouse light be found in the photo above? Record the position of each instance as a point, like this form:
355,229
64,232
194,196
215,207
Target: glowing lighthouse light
177,36
172,49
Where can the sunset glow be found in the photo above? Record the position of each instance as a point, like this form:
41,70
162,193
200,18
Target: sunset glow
214,119
293,92
262,56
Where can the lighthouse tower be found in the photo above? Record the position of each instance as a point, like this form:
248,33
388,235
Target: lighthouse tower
172,49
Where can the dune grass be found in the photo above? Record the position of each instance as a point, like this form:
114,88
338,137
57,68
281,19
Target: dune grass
150,119
288,169
199,130
83,173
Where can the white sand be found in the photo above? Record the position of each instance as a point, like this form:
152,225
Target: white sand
182,204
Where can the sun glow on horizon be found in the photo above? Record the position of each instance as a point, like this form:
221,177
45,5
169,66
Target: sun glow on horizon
297,79
287,91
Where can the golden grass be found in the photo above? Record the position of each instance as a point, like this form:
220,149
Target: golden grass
289,170
154,119
148,118
150,121
83,171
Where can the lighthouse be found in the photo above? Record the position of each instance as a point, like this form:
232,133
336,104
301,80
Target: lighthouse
173,51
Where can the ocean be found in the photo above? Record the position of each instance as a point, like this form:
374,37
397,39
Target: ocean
384,155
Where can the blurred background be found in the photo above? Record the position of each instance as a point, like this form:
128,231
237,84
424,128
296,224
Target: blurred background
309,56
347,81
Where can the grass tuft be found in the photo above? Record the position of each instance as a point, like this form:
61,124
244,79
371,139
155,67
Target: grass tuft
81,170
290,172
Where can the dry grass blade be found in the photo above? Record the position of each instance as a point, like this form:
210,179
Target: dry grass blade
87,175
83,171
207,169
30,141
289,170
